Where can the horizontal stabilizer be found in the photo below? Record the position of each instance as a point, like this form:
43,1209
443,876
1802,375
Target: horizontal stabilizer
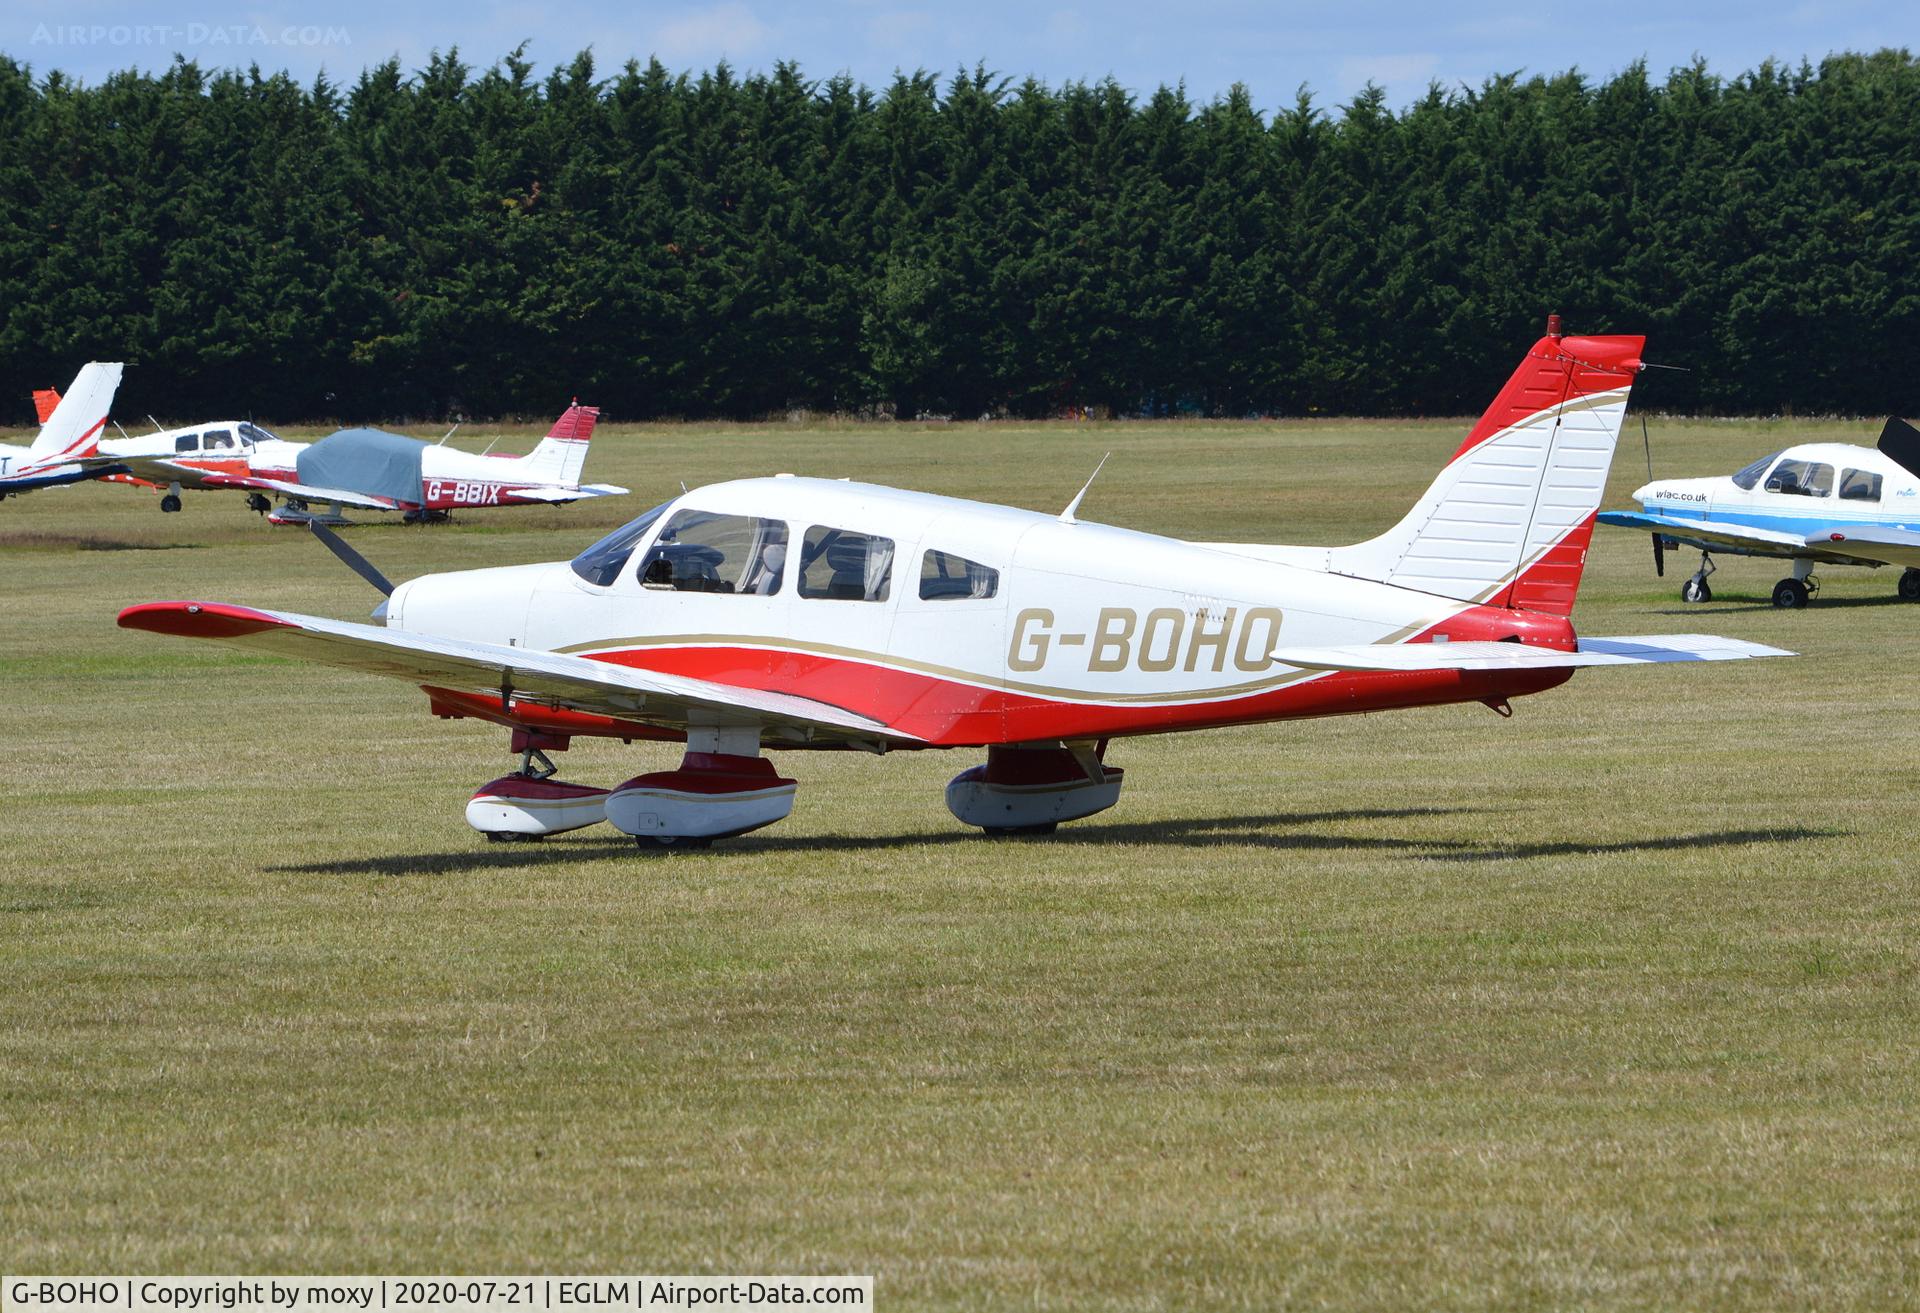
558,495
1520,656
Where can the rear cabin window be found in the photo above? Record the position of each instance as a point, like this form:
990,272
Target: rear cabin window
187,442
705,552
1801,478
844,565
944,576
1858,485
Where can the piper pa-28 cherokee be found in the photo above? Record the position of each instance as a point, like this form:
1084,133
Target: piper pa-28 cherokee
809,613
367,469
1820,503
66,448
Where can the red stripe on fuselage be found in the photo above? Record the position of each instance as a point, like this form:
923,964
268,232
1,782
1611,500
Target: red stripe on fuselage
951,713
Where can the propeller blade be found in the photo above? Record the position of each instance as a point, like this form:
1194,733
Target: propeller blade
1900,443
359,564
1659,557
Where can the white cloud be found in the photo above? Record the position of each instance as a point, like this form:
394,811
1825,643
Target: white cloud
704,35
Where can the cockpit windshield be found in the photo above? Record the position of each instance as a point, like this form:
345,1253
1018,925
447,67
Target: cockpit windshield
601,563
1746,478
253,433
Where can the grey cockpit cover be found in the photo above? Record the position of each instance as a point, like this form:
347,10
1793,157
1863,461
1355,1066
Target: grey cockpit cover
372,461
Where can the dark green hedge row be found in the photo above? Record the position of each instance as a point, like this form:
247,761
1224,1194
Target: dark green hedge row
716,245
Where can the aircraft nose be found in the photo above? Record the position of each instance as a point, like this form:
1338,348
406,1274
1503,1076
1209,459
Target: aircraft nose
487,606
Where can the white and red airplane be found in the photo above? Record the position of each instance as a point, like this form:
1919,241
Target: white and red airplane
66,447
367,469
786,613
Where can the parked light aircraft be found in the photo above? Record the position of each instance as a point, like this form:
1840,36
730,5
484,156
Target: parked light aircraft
1819,503
786,612
69,435
367,469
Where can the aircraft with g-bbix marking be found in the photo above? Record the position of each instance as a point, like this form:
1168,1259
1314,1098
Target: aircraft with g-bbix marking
796,613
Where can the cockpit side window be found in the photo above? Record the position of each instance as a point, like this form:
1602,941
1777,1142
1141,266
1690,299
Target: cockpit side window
251,434
944,576
186,442
706,552
1748,477
1801,478
845,565
218,440
602,563
1859,485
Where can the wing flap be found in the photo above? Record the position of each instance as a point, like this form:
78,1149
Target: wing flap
552,678
1655,648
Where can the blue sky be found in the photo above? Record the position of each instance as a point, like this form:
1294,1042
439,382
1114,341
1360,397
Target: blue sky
1273,48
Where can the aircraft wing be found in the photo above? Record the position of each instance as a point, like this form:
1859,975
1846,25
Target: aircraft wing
1871,542
1766,542
1519,656
563,494
1852,542
287,488
527,674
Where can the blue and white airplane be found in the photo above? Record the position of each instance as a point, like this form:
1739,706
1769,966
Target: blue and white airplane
1820,503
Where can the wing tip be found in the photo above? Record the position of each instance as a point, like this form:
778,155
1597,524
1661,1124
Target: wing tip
198,619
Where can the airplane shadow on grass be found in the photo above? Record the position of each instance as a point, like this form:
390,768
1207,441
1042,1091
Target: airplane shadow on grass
1272,831
1734,604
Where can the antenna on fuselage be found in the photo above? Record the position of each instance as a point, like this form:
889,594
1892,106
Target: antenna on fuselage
449,433
1066,516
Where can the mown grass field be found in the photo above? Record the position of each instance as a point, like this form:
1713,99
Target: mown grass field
1615,1004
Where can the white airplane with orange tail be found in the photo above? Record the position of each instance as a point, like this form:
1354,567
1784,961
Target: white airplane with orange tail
366,469
790,613
67,447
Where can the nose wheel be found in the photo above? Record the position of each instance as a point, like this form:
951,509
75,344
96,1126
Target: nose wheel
1695,588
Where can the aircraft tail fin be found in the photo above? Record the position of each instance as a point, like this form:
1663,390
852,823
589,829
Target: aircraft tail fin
1507,522
562,454
72,429
44,402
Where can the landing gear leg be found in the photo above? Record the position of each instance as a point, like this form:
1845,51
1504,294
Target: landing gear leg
1791,594
1695,589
